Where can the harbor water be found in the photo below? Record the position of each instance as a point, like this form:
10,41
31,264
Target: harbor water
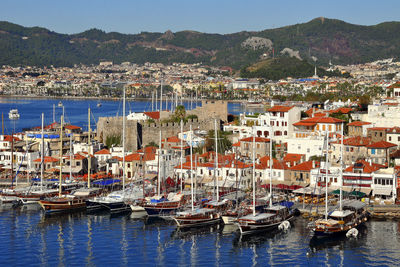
75,110
30,238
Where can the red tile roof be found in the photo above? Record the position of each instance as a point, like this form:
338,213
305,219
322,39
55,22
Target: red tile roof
257,139
173,139
355,141
381,144
138,157
358,123
46,159
7,138
72,127
365,166
276,164
342,110
103,152
155,115
236,144
293,157
394,130
148,149
305,166
379,129
320,120
304,123
280,109
310,111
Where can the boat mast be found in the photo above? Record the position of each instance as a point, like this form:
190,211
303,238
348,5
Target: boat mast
254,171
12,159
61,153
191,166
70,157
89,146
236,178
161,95
216,157
326,178
341,169
159,168
271,162
152,101
42,156
123,142
2,123
54,113
181,154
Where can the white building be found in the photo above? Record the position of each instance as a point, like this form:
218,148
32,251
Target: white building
384,183
278,122
310,146
318,176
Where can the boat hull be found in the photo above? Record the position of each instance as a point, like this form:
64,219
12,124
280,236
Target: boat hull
319,233
115,207
252,228
189,222
229,219
59,206
159,211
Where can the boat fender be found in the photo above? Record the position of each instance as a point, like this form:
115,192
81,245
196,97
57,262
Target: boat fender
352,233
284,225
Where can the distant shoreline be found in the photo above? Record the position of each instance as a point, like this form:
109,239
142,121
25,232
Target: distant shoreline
107,98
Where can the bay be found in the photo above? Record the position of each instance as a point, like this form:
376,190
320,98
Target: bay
76,110
29,238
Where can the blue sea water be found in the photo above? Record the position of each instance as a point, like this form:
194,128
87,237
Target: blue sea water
75,110
29,238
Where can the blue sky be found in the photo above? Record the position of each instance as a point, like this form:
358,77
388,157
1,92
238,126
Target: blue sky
211,16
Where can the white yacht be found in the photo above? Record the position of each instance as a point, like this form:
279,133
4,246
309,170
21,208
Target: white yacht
13,114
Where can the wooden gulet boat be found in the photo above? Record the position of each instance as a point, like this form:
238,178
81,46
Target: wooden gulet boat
196,217
271,217
350,214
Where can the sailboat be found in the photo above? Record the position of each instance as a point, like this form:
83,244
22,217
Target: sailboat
62,203
118,201
36,193
199,216
350,214
272,217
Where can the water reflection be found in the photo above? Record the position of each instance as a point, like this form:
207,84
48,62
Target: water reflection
187,233
89,243
338,242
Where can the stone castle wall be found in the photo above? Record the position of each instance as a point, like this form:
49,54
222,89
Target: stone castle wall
139,133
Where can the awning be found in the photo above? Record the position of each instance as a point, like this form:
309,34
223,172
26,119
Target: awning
383,191
366,190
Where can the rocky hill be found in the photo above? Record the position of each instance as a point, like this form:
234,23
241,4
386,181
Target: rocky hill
320,39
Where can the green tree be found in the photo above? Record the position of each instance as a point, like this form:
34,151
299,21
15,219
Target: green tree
113,140
223,141
180,113
152,143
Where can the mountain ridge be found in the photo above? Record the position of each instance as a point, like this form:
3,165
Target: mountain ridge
320,39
